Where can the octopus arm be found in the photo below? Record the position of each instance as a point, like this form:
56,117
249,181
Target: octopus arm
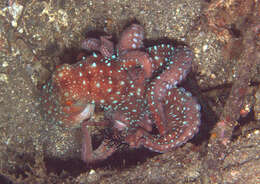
178,63
182,114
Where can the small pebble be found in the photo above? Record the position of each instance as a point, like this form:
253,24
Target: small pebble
5,64
93,176
3,78
205,48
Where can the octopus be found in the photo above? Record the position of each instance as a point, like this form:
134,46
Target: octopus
136,87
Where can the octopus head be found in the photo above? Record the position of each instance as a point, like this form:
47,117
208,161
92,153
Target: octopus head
62,100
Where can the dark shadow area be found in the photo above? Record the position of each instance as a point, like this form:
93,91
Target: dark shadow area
5,180
120,159
208,116
72,166
72,55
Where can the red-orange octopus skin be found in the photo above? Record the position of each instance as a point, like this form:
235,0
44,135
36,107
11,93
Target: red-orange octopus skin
95,80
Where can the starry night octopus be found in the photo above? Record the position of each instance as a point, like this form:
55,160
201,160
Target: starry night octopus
135,86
